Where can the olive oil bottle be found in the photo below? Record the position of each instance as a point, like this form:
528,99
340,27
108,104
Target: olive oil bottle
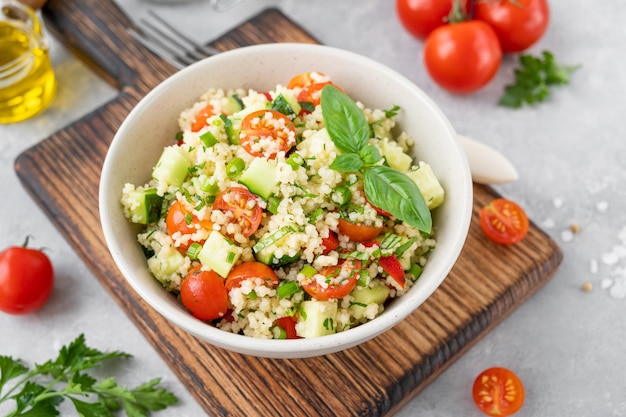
27,80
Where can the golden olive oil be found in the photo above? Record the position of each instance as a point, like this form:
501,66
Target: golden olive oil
27,81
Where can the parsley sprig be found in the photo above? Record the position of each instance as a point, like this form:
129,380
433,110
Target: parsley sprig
534,78
386,188
39,391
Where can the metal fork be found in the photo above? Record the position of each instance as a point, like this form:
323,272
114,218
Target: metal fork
167,42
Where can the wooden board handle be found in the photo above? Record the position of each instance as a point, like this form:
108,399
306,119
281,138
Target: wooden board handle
96,31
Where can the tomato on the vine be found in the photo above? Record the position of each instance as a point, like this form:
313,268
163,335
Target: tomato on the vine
420,17
503,221
243,208
249,270
518,23
342,279
204,294
462,57
498,392
26,279
267,132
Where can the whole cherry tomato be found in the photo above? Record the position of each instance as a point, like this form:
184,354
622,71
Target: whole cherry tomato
204,294
26,279
341,278
518,23
248,270
462,57
243,207
358,232
503,221
267,132
498,392
420,17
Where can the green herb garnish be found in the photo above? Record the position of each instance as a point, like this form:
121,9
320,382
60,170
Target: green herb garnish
39,391
385,187
534,79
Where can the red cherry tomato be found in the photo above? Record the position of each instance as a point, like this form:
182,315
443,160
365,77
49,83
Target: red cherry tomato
503,221
330,243
358,232
498,392
200,120
462,57
267,132
341,281
179,219
288,324
203,293
518,23
307,78
391,265
420,17
248,270
26,279
380,211
243,207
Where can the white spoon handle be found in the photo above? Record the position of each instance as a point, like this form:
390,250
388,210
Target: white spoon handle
487,165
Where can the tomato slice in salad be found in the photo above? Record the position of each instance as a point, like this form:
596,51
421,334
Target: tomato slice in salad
391,265
249,270
340,280
306,79
330,243
503,221
498,392
288,324
358,232
180,220
201,118
242,205
203,293
267,132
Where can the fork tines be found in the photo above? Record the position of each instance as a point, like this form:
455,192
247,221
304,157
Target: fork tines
167,42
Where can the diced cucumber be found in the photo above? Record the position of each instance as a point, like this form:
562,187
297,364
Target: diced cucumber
260,177
395,156
364,296
164,264
286,103
317,318
428,184
233,105
172,167
317,143
219,253
266,247
145,206
232,128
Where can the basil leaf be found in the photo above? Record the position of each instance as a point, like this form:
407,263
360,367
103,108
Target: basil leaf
347,162
345,122
396,193
370,155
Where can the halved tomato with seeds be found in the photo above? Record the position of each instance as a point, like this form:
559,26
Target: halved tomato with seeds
267,132
340,280
498,392
243,206
503,221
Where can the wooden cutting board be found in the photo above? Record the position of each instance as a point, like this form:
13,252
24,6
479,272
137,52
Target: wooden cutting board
62,174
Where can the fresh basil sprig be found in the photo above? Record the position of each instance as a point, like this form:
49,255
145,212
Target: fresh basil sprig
385,187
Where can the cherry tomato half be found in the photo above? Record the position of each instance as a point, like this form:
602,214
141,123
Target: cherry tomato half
391,265
200,120
503,221
330,243
307,78
498,392
203,293
248,270
180,220
420,17
288,324
518,23
358,232
26,280
341,279
462,57
267,132
242,206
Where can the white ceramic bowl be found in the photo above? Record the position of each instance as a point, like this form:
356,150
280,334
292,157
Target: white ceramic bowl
153,122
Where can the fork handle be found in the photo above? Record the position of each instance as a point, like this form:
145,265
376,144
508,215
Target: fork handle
96,32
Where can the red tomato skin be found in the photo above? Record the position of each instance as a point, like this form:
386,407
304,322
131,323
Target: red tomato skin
248,218
204,294
420,17
330,243
498,392
391,265
288,324
251,269
358,232
26,280
519,24
334,291
176,221
200,120
253,127
504,222
462,57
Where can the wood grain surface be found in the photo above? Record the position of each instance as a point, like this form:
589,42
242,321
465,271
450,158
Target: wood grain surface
62,174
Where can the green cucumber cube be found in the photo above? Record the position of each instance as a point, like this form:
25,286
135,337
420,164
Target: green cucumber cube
318,318
364,296
260,177
165,264
172,167
429,185
144,205
219,253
